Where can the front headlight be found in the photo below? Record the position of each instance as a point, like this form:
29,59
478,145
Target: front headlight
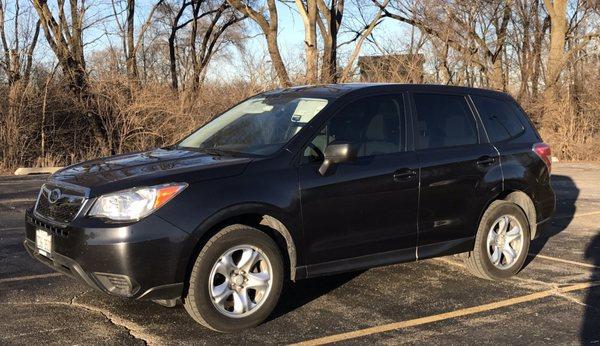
134,204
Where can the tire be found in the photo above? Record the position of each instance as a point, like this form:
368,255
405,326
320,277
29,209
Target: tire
217,301
482,261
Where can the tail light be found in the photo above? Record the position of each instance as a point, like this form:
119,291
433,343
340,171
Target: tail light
543,151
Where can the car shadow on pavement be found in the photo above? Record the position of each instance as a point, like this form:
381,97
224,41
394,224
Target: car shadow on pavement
590,331
302,292
567,193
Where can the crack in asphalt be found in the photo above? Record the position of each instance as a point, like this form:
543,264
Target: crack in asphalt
573,300
135,330
132,328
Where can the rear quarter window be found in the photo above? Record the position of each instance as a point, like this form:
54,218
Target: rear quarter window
499,117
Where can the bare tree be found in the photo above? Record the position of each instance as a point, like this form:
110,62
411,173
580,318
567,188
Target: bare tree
268,25
16,65
175,26
18,58
219,21
130,42
476,29
205,24
65,38
329,22
308,12
558,52
130,59
529,30
360,38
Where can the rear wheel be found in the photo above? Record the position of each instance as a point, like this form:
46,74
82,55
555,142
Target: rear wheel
236,280
502,242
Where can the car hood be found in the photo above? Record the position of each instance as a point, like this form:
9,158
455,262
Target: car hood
147,168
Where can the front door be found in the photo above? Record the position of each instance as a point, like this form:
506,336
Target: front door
364,207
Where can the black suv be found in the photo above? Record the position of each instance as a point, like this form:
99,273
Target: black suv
297,183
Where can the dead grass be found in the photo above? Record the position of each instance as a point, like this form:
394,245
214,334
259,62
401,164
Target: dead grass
133,118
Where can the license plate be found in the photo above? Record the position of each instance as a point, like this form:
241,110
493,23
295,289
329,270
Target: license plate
43,242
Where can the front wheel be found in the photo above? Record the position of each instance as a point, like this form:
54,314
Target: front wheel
236,280
502,242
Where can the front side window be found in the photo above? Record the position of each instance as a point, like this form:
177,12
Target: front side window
375,126
444,121
499,118
258,126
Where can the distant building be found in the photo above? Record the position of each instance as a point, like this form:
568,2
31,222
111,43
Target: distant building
404,68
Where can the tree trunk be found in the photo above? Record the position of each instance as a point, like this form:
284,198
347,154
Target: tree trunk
66,41
309,18
269,29
172,61
276,59
537,55
131,61
557,10
497,78
329,33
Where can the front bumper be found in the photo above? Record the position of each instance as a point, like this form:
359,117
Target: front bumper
143,260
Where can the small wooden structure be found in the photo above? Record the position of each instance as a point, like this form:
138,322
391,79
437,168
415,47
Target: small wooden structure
400,68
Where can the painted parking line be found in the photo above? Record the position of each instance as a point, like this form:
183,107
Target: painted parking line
15,182
587,265
448,315
29,277
18,200
12,229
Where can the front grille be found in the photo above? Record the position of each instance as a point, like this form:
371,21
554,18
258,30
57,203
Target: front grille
57,231
58,203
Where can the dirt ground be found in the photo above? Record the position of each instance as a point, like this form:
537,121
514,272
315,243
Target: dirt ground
555,299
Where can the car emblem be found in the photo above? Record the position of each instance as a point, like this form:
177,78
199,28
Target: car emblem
54,196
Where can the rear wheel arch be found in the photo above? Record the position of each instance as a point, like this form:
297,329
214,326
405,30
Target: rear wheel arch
523,201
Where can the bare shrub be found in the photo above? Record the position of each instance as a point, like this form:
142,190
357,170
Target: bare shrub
136,118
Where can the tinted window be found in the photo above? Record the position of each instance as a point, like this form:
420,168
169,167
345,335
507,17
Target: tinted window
375,125
260,125
444,121
499,118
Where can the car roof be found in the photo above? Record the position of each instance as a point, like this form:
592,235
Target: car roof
333,91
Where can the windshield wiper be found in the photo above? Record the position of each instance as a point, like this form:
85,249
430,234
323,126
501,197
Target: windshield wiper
218,152
212,151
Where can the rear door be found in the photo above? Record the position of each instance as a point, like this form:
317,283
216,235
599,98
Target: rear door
368,206
513,135
458,169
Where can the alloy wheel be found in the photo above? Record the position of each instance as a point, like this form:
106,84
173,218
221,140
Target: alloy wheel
240,281
505,242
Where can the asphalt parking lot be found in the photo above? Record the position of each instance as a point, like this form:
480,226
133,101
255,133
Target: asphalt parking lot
555,299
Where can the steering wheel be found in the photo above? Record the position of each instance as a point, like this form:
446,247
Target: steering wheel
317,151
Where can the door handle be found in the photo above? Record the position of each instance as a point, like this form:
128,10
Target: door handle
486,160
404,174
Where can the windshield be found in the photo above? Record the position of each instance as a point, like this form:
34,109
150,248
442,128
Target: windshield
258,126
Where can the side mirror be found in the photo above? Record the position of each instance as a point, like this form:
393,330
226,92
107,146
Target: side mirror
337,153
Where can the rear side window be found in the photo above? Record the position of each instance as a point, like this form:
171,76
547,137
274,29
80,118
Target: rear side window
444,121
499,118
